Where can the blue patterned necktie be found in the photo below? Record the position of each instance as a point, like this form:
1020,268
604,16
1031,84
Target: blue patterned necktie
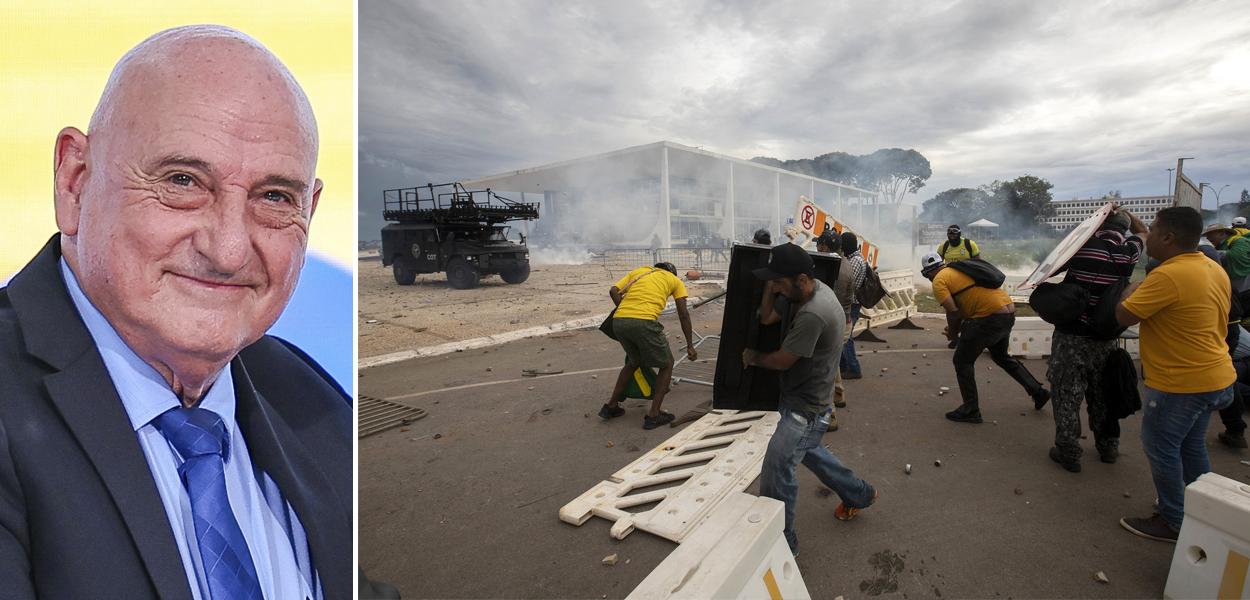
199,435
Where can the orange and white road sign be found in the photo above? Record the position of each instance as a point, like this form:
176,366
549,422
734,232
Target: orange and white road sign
813,221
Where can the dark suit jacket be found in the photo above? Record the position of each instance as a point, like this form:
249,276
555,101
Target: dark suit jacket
80,515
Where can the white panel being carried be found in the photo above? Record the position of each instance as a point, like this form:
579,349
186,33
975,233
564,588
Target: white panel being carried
717,455
1212,557
737,552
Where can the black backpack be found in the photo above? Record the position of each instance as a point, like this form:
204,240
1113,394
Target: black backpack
1119,385
1102,319
1059,303
983,273
870,292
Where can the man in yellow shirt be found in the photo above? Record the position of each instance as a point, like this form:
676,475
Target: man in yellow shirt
956,247
979,318
640,297
1182,306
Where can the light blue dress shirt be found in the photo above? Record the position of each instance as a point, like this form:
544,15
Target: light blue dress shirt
274,535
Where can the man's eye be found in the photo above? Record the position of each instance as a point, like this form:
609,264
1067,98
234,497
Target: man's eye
277,197
182,179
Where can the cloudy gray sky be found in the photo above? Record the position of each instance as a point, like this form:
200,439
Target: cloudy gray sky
1091,96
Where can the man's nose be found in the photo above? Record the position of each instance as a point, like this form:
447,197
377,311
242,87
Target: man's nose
224,237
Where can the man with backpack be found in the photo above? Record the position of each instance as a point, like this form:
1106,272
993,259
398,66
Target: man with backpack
1078,353
858,267
980,315
956,247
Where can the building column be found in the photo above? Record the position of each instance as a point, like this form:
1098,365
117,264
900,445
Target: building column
777,205
666,231
731,213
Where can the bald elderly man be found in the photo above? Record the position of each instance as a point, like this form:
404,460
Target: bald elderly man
154,442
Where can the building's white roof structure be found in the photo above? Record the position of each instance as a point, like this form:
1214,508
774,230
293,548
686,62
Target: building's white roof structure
983,223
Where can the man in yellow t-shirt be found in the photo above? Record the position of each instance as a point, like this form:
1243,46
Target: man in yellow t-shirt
1182,306
956,247
978,318
640,297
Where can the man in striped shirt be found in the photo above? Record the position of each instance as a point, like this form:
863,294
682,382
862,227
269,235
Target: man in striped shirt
1077,356
849,364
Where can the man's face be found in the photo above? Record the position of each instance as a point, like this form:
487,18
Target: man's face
790,288
1217,237
1155,242
952,235
195,212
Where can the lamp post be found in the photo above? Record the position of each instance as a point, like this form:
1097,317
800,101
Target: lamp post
1217,192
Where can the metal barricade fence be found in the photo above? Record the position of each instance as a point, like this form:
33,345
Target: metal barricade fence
710,261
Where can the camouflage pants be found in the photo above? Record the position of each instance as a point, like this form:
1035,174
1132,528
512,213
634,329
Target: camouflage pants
1075,372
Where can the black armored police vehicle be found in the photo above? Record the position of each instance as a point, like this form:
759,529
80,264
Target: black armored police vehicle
446,228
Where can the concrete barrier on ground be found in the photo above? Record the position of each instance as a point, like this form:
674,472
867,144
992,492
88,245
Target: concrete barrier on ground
737,552
1212,556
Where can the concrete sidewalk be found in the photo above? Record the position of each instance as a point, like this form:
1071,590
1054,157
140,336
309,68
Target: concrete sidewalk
473,512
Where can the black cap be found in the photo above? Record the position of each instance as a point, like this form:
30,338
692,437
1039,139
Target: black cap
786,260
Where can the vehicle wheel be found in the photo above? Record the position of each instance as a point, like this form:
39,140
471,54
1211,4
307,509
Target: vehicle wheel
517,274
461,274
403,276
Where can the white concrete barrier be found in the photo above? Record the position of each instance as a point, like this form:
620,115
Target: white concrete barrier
1031,337
738,552
1212,557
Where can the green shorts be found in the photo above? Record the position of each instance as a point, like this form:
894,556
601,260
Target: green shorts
644,342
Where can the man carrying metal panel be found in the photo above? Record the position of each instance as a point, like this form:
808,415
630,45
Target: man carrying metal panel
806,360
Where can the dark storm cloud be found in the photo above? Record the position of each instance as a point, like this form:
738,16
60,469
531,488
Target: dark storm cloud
1092,96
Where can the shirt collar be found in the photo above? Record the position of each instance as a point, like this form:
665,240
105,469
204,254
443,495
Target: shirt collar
144,393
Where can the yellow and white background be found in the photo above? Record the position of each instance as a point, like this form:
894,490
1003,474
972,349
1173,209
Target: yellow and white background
54,60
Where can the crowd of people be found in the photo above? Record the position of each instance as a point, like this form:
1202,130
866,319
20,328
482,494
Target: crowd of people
1195,354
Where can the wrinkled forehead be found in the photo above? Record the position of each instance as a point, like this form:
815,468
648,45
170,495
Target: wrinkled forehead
208,84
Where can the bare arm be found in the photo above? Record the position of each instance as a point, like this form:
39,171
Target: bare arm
1124,316
954,318
780,360
683,314
615,294
768,313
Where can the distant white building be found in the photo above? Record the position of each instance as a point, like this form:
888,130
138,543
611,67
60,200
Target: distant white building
665,194
1070,213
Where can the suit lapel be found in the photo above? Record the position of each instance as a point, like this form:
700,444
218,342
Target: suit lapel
83,393
279,451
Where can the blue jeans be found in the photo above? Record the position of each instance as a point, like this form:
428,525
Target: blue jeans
796,440
1173,434
849,363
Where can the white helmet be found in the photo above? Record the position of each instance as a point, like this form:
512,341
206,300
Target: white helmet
1239,221
929,261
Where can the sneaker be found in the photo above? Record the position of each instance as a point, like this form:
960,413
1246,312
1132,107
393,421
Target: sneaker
840,403
611,412
1153,528
849,375
1040,399
1109,455
1233,440
965,415
664,418
1073,466
833,423
846,513
953,343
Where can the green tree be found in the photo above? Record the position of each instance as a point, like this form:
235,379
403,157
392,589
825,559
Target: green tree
893,172
957,205
1022,204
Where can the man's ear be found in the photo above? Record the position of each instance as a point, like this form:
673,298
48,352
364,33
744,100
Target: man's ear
69,168
316,196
